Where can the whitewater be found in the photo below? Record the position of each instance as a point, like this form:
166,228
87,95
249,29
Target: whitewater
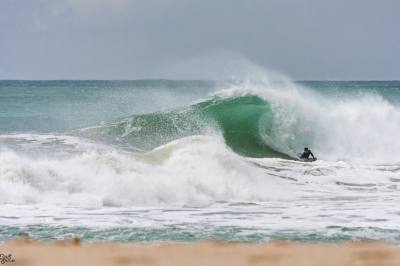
162,160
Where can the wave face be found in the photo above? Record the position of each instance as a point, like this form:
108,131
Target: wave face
244,121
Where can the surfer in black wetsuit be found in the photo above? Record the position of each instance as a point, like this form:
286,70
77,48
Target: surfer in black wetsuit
306,154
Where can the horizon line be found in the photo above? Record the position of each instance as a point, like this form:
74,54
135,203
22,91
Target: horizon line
166,79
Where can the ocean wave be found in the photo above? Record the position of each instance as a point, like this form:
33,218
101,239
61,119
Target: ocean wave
275,121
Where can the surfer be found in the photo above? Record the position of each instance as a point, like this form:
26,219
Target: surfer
306,154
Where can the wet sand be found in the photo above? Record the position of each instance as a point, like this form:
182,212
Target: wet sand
72,252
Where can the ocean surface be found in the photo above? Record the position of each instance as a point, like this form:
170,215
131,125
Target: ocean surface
161,160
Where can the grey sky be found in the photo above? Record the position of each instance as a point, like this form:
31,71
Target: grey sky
133,39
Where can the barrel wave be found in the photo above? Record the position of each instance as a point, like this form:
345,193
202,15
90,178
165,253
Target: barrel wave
270,121
244,121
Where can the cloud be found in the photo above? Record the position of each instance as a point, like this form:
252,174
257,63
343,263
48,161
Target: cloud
88,6
182,38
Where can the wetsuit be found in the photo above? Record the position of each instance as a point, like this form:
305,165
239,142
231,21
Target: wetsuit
307,154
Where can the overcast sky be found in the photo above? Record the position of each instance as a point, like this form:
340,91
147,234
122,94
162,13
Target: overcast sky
135,39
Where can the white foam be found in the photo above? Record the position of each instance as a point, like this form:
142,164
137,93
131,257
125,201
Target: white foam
105,188
197,170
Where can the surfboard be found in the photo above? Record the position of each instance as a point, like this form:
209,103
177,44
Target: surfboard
307,159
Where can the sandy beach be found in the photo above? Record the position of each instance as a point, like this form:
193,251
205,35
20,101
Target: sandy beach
72,252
